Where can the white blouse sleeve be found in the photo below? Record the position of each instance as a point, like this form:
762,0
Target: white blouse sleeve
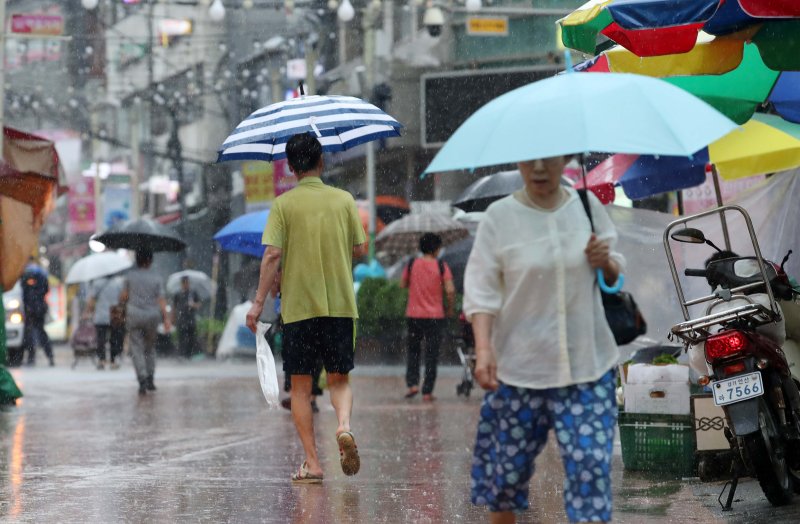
483,278
605,230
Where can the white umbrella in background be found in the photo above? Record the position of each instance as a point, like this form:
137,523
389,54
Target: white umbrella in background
199,282
97,265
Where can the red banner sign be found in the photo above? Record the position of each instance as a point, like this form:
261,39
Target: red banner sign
37,24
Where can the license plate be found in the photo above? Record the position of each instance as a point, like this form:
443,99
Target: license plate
736,389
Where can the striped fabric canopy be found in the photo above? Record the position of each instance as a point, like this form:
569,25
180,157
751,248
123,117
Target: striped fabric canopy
338,122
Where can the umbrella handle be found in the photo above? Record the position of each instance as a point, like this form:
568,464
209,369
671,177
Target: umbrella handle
605,288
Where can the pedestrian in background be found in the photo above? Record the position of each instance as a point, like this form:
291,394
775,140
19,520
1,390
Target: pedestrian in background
104,293
35,286
428,280
312,234
543,347
185,304
145,305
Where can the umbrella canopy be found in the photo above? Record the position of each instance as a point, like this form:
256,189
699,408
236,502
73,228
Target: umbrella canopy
363,214
243,234
456,256
665,27
339,122
481,193
765,144
579,113
390,208
141,233
401,237
97,265
199,282
478,195
736,92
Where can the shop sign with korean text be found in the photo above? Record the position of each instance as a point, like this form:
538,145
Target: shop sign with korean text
487,25
37,24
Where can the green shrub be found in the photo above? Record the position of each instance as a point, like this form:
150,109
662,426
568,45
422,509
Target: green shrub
380,303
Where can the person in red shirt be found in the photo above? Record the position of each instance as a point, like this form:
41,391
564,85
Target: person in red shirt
428,281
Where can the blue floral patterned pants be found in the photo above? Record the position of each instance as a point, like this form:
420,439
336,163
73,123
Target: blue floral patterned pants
513,427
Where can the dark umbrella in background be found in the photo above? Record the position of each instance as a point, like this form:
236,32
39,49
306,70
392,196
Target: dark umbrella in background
456,256
141,233
481,193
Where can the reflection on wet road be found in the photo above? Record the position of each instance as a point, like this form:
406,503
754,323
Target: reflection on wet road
83,447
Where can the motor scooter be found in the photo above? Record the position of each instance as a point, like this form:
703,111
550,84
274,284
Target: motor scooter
740,335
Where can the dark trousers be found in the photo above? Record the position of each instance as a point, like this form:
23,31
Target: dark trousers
36,335
429,330
115,337
187,339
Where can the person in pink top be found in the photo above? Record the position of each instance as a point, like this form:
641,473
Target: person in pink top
428,281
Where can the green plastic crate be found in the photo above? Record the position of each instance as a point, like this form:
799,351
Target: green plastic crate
657,443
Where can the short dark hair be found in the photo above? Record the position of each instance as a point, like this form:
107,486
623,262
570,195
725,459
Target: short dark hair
303,152
144,257
429,243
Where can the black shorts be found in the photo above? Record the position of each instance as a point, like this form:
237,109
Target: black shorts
329,339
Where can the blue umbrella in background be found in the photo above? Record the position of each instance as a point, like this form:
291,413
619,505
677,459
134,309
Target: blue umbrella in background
243,234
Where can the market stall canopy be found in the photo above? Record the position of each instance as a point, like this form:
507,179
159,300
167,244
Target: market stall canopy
666,27
736,92
30,172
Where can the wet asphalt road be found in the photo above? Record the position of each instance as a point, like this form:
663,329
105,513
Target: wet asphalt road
83,447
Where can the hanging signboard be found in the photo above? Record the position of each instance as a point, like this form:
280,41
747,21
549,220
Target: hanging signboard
487,25
36,24
80,201
259,184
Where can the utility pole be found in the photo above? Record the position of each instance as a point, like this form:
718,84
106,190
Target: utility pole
136,163
175,148
369,20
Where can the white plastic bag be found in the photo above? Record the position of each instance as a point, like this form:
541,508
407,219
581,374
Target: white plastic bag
267,374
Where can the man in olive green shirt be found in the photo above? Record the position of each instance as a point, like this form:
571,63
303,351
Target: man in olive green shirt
312,234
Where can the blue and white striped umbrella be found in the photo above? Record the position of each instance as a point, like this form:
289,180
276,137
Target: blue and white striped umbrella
338,122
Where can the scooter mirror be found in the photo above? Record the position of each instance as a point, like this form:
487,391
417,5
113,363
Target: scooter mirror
689,235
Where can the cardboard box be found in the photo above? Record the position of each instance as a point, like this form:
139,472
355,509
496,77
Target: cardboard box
666,398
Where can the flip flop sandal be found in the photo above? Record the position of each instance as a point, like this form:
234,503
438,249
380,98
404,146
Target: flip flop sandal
302,476
412,394
348,453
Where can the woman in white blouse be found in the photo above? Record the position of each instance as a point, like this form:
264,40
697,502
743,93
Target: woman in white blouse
544,350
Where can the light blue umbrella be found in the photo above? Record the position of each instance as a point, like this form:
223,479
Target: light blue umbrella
581,113
243,234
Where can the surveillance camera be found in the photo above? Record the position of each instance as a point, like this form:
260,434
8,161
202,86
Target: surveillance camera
433,20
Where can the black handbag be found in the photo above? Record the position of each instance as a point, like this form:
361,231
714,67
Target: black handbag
622,313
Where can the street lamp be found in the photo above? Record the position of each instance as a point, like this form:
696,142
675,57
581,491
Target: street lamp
346,11
216,12
345,14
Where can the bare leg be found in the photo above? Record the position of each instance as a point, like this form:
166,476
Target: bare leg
341,398
502,517
303,420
